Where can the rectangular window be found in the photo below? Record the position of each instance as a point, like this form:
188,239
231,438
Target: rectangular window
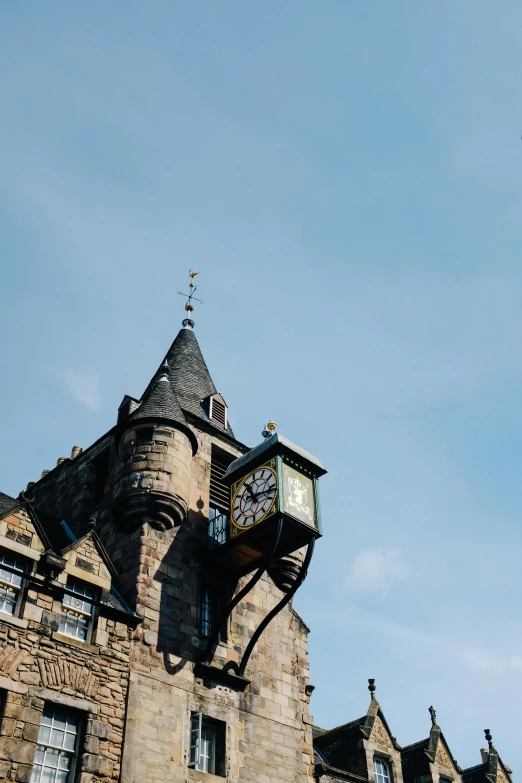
207,744
77,611
217,527
212,604
382,771
57,747
12,569
101,471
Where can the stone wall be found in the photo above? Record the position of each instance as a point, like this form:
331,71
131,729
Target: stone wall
36,668
68,491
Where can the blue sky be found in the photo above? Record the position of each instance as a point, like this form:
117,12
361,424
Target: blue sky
347,177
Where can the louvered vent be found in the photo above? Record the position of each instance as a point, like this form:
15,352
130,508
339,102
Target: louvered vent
219,413
219,492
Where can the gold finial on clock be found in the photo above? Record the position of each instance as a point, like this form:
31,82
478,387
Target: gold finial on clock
189,307
269,429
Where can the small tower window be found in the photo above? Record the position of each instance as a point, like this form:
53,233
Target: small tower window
217,410
101,471
213,600
207,744
382,771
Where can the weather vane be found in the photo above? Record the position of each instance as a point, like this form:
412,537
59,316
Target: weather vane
189,307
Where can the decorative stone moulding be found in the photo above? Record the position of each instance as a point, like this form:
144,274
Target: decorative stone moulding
285,571
160,510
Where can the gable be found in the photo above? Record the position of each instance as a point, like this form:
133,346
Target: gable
87,560
18,533
380,734
501,775
443,757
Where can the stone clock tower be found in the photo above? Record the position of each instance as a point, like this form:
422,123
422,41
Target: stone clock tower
148,506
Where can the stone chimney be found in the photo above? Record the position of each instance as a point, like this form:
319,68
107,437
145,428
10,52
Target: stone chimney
485,755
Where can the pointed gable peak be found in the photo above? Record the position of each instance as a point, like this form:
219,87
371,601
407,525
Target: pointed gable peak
375,728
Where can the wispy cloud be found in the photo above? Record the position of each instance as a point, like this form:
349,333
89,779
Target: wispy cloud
84,386
377,570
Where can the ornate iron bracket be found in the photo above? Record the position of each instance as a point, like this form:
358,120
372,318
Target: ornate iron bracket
232,666
212,642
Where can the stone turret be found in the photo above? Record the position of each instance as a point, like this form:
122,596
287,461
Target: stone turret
155,450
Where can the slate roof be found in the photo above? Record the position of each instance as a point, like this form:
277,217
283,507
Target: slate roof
55,530
6,503
339,743
188,374
160,402
414,760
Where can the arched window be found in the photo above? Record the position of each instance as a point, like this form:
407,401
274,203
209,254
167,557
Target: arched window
382,771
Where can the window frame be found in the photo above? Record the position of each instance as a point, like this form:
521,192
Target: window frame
67,609
215,760
18,589
220,597
72,754
378,776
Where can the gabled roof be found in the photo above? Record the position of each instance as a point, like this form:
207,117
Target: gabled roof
6,503
188,374
417,757
94,537
336,745
491,771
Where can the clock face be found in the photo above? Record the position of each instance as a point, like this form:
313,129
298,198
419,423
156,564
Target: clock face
254,497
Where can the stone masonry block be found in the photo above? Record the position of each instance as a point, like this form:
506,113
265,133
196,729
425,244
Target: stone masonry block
99,729
16,750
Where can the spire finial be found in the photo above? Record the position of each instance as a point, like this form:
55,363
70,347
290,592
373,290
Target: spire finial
433,715
489,738
371,688
269,429
189,307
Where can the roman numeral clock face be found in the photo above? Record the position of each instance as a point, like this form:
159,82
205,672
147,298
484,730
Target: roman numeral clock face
254,497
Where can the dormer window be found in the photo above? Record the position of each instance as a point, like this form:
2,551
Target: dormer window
217,410
12,569
77,611
382,771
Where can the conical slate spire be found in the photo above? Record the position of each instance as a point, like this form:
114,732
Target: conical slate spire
159,402
188,373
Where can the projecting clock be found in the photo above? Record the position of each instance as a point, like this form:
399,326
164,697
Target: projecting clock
254,497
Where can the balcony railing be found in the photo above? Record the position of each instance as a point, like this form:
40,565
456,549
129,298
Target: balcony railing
217,530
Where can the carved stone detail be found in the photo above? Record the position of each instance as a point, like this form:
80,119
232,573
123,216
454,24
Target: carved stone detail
10,659
442,757
379,734
57,673
501,776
